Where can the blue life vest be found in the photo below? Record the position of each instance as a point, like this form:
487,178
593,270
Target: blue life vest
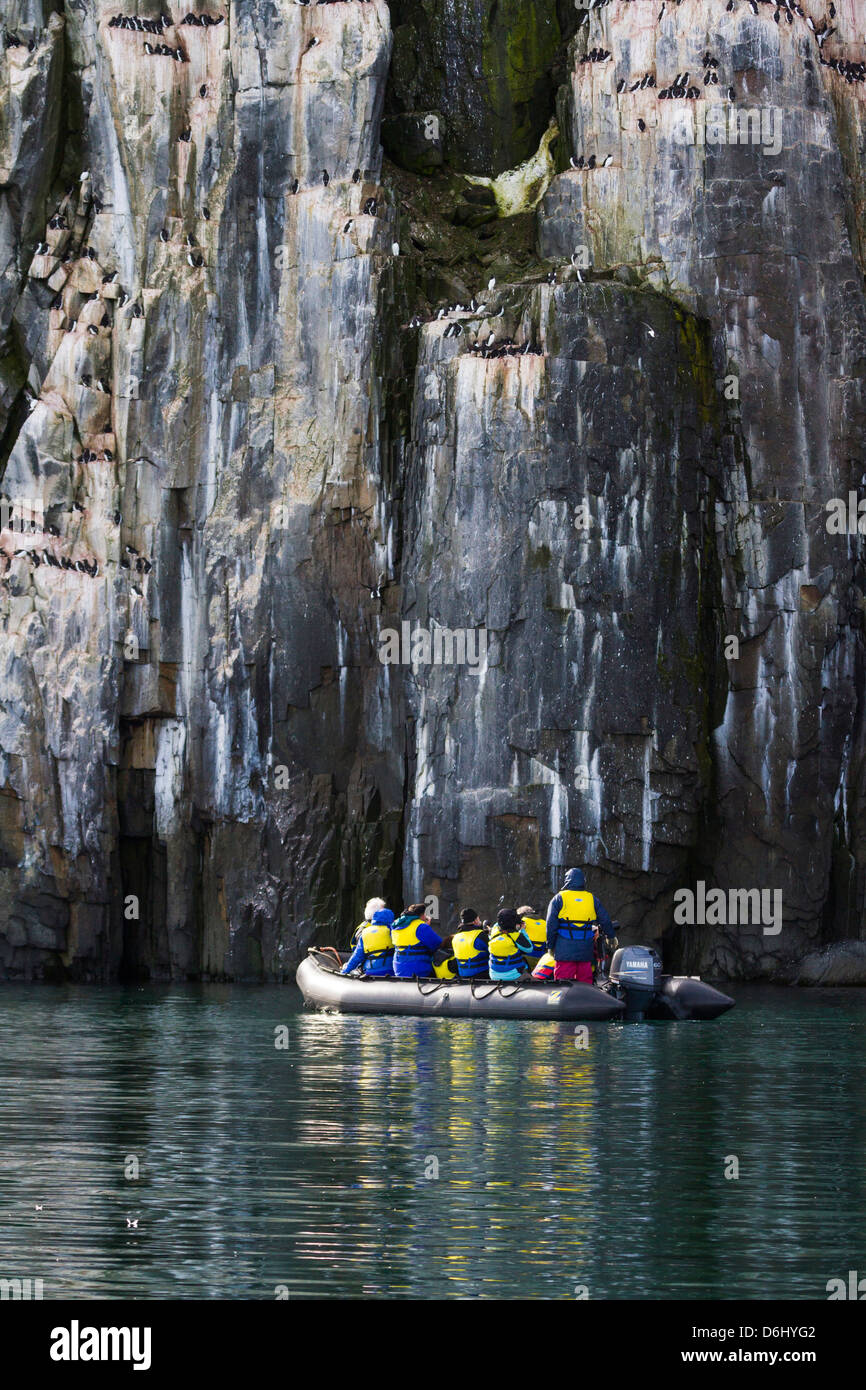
411,956
470,948
576,925
506,958
378,950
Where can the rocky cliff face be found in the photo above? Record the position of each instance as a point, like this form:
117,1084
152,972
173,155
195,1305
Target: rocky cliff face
242,455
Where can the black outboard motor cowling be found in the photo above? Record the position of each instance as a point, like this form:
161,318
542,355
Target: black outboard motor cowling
635,975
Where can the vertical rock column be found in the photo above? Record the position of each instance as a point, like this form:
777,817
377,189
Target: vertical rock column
207,419
562,502
756,236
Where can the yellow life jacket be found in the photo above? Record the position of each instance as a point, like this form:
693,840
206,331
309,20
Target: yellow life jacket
376,941
446,970
536,930
356,934
406,938
545,967
470,949
577,915
504,949
466,947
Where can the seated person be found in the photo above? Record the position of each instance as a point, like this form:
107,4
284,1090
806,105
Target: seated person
374,953
445,965
470,946
415,942
545,967
536,929
373,905
509,946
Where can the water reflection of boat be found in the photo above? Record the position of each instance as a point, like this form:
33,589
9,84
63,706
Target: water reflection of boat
627,995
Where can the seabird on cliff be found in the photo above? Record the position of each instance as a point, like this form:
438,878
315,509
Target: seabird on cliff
326,177
356,177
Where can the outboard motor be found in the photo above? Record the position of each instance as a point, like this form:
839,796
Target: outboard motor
635,975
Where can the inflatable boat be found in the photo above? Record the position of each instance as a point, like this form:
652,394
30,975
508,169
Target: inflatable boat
635,989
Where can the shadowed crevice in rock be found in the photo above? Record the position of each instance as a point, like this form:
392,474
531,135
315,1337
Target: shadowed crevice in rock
472,82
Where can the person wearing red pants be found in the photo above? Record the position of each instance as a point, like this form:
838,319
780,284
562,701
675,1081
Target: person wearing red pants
574,918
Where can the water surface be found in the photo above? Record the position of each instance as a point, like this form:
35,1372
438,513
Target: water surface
428,1157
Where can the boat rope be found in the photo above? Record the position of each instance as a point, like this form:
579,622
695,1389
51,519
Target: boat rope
439,984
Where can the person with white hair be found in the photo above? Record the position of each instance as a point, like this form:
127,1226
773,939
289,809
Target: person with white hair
373,905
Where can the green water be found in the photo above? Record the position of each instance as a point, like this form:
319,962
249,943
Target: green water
314,1167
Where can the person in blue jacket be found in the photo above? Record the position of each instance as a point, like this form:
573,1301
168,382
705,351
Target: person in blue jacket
414,943
374,953
574,917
